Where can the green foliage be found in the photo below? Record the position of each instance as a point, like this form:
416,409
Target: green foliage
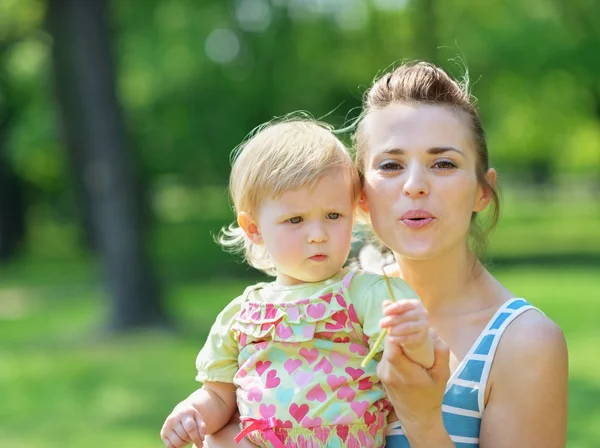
195,78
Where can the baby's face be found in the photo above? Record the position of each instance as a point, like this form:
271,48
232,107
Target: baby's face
308,231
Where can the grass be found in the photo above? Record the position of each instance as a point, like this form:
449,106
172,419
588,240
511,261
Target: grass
64,384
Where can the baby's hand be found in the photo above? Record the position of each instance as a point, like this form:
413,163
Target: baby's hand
408,327
183,426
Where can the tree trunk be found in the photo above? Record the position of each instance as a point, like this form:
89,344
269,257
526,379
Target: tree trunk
12,200
102,165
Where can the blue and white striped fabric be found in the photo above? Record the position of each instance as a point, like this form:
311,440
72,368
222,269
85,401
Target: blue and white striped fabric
463,404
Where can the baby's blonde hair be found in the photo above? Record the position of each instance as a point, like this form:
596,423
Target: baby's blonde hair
279,156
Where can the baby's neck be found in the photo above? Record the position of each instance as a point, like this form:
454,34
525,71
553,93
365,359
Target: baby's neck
286,280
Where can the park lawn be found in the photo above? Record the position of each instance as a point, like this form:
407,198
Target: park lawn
64,384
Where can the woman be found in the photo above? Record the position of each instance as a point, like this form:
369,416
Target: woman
422,151
500,377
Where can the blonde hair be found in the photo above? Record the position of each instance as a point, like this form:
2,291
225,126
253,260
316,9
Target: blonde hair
279,156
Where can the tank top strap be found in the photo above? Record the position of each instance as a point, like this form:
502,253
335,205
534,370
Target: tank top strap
474,370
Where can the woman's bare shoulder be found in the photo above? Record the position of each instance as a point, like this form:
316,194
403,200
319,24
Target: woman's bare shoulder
531,341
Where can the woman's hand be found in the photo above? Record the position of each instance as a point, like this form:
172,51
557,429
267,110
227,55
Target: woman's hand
415,393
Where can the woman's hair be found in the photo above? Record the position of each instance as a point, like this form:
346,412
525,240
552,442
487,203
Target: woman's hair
422,82
279,156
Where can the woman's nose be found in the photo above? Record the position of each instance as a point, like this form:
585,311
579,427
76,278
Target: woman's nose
416,184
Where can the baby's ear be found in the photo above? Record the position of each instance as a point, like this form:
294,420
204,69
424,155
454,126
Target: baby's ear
250,227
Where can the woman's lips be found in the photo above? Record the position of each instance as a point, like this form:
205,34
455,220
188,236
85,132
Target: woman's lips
417,218
417,223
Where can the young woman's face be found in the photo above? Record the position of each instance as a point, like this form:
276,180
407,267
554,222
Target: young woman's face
420,178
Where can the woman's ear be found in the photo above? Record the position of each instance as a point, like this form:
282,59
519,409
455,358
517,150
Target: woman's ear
250,227
485,193
362,202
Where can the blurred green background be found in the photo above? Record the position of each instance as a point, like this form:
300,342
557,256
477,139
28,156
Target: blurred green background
117,119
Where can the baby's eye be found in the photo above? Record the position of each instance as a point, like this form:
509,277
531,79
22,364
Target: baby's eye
333,215
445,165
295,220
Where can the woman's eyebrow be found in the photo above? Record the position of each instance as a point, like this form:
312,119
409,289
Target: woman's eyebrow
434,151
443,149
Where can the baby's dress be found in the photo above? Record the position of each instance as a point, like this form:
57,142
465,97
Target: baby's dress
294,354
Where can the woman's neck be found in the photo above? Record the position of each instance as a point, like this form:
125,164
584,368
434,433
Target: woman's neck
447,284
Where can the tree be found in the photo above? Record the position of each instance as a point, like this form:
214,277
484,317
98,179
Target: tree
12,200
103,167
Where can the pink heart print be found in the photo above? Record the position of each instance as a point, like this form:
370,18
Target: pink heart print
359,407
316,311
346,393
362,438
293,313
271,311
266,411
261,366
261,345
352,314
326,297
303,379
291,365
254,394
339,359
340,300
321,432
361,350
335,382
297,412
272,379
316,393
340,319
340,340
342,432
354,373
283,331
323,364
370,418
365,384
307,422
287,424
343,419
310,355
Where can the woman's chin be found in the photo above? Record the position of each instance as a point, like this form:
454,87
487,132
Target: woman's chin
417,250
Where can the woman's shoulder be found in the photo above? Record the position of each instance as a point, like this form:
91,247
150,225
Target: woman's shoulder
533,342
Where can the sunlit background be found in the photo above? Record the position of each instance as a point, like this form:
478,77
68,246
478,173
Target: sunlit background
117,119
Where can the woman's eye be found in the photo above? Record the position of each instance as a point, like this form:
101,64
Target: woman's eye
295,220
390,166
445,164
333,215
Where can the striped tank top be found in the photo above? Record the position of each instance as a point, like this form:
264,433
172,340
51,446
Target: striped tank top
463,404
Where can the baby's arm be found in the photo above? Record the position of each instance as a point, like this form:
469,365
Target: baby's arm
204,412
